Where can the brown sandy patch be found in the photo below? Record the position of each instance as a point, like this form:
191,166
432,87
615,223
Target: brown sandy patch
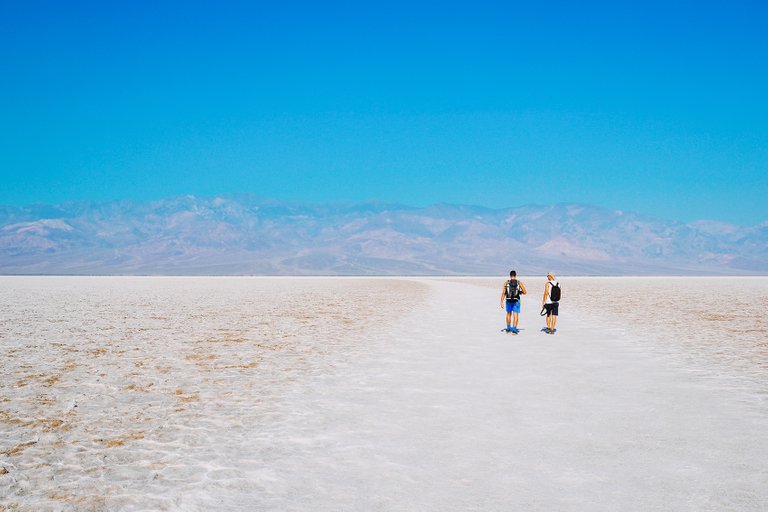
69,366
120,441
186,397
200,357
51,380
46,380
274,347
7,418
18,448
43,400
252,364
713,317
226,340
136,387
82,502
49,425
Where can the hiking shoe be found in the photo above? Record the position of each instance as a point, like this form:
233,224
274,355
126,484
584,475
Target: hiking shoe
514,330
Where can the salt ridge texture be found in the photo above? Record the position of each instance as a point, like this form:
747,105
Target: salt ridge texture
362,394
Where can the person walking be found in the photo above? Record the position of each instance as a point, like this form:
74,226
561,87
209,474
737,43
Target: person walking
510,301
551,301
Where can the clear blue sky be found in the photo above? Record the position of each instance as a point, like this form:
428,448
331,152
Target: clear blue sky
658,107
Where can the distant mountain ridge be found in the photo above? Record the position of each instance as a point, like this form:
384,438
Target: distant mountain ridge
246,235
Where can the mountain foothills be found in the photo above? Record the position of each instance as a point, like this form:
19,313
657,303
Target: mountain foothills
244,235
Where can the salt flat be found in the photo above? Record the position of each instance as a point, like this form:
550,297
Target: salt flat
376,394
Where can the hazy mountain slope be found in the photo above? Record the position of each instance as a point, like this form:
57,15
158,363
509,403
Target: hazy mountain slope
244,235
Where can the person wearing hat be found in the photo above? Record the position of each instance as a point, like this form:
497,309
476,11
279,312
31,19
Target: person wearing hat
551,301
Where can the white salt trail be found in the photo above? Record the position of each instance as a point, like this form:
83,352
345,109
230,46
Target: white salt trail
363,394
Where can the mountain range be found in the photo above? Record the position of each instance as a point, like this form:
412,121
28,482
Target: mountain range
240,235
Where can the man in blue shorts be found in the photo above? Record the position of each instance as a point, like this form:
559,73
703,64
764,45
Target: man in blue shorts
510,300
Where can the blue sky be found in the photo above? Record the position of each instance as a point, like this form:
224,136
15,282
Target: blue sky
643,106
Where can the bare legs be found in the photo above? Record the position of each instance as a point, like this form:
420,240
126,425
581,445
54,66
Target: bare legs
512,319
551,322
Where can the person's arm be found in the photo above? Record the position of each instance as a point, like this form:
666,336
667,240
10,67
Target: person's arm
503,295
546,294
522,288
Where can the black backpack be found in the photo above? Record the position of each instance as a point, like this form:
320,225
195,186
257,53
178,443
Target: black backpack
554,292
513,290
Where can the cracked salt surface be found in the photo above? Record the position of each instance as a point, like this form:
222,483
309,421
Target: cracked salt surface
370,394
